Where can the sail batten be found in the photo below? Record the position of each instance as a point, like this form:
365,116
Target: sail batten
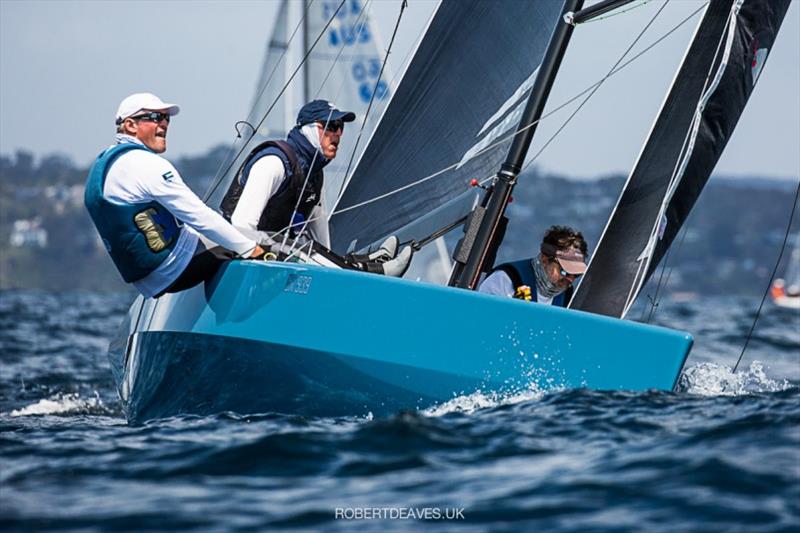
697,118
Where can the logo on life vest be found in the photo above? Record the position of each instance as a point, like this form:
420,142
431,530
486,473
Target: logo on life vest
157,230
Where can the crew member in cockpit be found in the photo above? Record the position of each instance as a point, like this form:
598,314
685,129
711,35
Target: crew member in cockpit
279,191
548,277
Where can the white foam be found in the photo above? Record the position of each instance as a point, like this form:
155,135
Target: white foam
709,379
63,404
479,400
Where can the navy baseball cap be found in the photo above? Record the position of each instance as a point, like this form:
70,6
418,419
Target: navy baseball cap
323,111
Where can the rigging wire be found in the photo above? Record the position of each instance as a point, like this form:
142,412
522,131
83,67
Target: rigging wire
517,131
220,174
403,6
771,278
361,23
596,86
280,94
506,137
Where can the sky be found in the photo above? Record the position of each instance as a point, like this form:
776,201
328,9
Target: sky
65,65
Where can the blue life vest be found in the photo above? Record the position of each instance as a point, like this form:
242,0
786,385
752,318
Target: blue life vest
139,237
521,273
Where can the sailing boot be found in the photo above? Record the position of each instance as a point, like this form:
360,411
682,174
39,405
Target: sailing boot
397,267
385,252
394,267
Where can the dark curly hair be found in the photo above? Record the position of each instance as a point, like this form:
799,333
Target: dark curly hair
562,238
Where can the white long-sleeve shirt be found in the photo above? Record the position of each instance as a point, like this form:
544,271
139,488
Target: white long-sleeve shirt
265,178
140,176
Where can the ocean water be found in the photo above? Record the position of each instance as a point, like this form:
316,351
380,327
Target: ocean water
720,454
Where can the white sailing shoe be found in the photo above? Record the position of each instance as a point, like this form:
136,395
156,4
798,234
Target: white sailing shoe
397,267
385,252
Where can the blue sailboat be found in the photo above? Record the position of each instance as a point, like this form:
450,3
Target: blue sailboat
296,338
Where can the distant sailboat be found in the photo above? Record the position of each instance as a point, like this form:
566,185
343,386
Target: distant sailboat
290,337
786,291
342,66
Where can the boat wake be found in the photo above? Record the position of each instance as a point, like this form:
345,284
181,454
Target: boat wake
66,404
710,379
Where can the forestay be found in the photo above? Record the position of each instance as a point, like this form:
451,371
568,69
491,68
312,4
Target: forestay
455,108
707,97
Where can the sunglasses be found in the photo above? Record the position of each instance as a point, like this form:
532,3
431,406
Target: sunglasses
152,116
332,126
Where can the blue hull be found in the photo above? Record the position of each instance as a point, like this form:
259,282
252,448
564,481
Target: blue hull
292,338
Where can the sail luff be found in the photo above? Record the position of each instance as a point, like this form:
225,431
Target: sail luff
645,144
683,146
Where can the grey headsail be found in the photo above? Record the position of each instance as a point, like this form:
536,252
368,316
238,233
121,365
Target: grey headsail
456,107
707,97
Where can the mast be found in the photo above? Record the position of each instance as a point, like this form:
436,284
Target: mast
483,230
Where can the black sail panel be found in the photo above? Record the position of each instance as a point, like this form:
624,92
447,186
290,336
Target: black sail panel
698,117
457,105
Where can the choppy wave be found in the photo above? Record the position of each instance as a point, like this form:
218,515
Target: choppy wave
720,453
710,379
65,404
470,403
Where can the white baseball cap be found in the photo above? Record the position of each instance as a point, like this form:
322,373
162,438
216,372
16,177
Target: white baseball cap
136,102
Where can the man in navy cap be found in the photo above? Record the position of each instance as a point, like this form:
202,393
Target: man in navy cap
279,190
546,278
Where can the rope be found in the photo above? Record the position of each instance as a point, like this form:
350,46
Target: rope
771,278
517,131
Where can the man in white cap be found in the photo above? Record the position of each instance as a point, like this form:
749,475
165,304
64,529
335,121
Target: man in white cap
546,278
279,190
148,219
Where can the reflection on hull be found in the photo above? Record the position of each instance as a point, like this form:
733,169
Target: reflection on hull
205,374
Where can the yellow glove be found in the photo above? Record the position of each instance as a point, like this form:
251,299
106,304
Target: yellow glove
523,293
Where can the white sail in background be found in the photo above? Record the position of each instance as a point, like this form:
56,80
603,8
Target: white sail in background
271,80
344,68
